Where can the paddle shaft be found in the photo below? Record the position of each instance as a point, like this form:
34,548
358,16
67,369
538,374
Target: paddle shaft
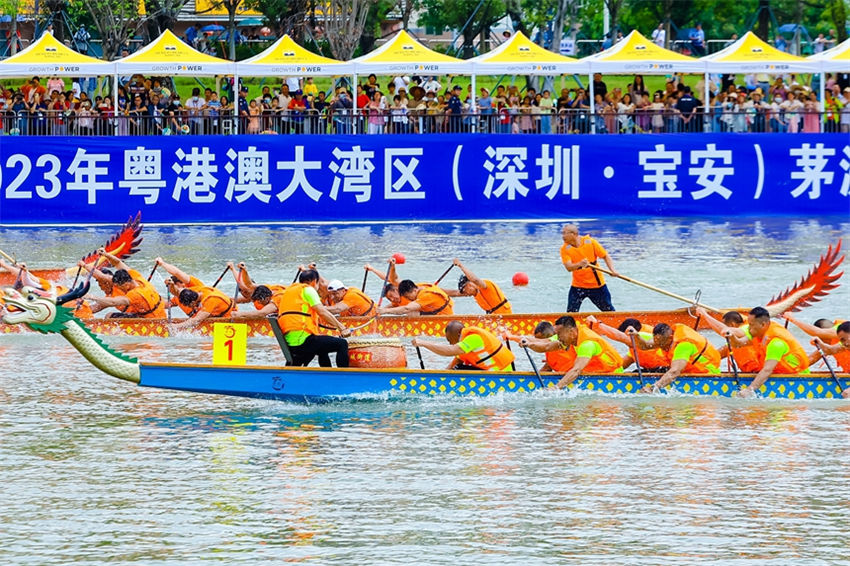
419,353
236,292
297,273
155,265
446,272
365,276
732,362
508,344
217,281
637,362
384,287
10,258
534,367
829,366
656,289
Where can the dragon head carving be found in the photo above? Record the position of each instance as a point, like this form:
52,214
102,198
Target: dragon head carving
40,310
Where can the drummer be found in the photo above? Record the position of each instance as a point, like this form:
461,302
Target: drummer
471,348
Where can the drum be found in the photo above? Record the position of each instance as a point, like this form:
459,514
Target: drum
376,353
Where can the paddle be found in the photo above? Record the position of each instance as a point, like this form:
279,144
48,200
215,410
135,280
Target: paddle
656,289
446,272
419,353
297,273
733,363
155,265
365,276
76,277
508,344
223,273
235,293
10,258
829,366
637,362
384,287
534,367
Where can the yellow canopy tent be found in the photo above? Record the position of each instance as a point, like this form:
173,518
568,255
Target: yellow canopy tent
286,57
47,56
752,55
835,59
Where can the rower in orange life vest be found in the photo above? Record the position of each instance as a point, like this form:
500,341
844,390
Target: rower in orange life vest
745,356
487,294
576,349
263,297
685,349
778,351
179,279
391,277
834,336
348,301
839,350
577,253
132,294
424,300
653,360
299,309
471,348
202,303
247,286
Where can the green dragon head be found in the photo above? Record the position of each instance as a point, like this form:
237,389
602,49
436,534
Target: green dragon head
40,310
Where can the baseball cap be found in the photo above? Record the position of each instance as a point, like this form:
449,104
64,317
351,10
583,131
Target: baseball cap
336,285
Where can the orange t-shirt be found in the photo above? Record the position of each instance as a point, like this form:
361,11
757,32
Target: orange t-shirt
588,249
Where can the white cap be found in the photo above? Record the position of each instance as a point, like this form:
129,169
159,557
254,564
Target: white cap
336,285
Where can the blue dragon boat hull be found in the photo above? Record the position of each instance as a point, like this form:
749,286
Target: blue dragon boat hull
329,384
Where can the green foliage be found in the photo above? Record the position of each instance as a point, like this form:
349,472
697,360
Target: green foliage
454,14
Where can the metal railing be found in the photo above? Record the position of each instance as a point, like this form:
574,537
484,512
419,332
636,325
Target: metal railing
507,121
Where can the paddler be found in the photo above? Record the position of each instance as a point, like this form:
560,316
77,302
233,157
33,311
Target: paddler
390,291
179,279
300,308
263,300
246,285
423,300
744,354
577,253
349,301
132,294
834,340
575,349
202,303
685,350
24,278
778,351
652,360
487,294
471,348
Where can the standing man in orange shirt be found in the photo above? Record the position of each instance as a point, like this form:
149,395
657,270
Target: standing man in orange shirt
577,253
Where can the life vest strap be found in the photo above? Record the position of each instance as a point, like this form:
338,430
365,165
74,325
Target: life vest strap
496,351
438,310
497,307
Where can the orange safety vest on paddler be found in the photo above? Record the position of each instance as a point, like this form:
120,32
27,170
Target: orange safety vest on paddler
746,358
607,361
842,357
434,300
294,314
148,303
493,356
591,250
794,361
275,289
707,359
210,300
492,300
650,359
358,303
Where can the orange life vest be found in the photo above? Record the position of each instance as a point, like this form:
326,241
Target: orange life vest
842,357
358,303
275,289
294,314
794,361
588,248
404,300
746,358
145,302
707,357
650,359
492,300
210,300
434,300
493,356
607,361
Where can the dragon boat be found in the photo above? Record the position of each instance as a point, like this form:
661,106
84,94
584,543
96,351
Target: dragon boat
124,243
44,313
815,285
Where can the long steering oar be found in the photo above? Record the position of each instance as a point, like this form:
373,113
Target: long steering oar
637,362
656,289
534,367
829,366
223,273
733,363
446,272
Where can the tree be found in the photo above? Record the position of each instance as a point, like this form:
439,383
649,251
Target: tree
344,23
283,16
12,8
162,15
117,21
468,17
232,7
53,10
371,29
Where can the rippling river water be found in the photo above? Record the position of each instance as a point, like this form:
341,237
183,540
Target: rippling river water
93,470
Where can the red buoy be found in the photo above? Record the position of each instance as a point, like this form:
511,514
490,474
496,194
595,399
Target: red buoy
520,278
399,258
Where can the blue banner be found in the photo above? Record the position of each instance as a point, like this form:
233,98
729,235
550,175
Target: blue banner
289,178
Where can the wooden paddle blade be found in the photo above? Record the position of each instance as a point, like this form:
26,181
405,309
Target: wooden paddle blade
123,243
817,284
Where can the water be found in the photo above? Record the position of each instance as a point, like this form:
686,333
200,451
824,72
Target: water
93,470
